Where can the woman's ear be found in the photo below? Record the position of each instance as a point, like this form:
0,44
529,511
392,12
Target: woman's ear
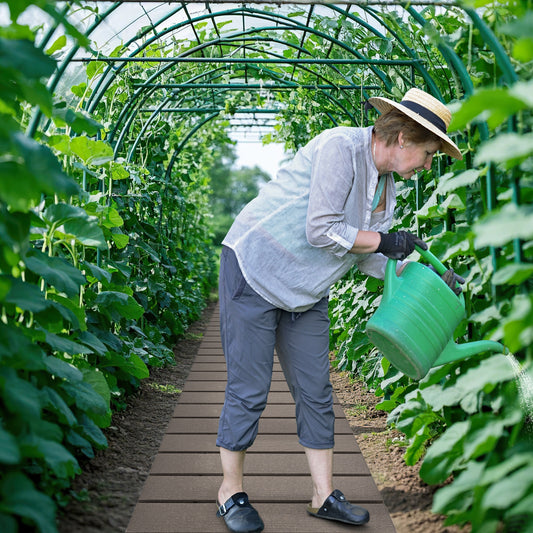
401,140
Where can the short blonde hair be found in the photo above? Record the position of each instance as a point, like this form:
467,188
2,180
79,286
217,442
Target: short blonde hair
389,125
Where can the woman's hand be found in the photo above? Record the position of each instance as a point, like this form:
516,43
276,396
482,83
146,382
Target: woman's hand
399,244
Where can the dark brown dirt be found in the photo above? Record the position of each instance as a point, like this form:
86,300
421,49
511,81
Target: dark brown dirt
107,490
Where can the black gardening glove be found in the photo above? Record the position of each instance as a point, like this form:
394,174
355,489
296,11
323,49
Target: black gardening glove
452,280
399,245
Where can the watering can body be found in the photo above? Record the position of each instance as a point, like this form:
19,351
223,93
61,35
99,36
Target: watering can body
416,319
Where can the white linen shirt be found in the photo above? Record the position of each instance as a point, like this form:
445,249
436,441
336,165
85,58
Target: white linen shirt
292,240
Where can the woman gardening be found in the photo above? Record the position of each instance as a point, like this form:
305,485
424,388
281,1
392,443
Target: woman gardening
327,211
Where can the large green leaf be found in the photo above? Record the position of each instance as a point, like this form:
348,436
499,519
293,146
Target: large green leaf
19,396
132,364
86,398
499,227
445,454
62,344
22,56
98,382
450,182
87,232
91,152
494,105
56,271
518,325
513,274
507,491
118,305
62,369
23,354
508,148
20,497
44,166
26,296
19,188
495,369
75,222
55,455
459,494
9,450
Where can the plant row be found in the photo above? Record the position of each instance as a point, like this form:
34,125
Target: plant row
469,423
103,264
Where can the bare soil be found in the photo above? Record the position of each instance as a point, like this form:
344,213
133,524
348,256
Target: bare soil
105,494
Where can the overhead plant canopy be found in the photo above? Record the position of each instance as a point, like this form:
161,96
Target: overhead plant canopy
248,64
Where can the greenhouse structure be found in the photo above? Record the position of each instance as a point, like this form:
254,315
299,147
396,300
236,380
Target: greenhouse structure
114,119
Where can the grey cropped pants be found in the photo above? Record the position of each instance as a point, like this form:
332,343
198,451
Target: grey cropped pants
251,330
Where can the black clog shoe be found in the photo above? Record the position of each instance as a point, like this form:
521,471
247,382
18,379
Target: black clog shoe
337,508
239,515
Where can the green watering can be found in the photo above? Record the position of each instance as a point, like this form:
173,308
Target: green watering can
416,319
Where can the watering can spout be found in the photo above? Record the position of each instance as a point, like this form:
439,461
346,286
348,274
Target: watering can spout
455,352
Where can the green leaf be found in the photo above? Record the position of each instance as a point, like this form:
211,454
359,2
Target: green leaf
55,403
518,325
449,182
64,345
118,172
58,44
513,274
458,495
20,497
78,122
62,369
495,369
22,56
97,346
492,105
86,398
9,450
23,354
91,152
19,188
507,148
499,227
92,432
55,455
26,296
86,232
445,454
120,240
118,305
56,271
44,166
132,364
20,396
98,382
60,213
508,491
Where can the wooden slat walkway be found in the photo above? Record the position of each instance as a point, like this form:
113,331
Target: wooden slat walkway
180,492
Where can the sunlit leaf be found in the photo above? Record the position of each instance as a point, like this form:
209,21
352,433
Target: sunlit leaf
508,223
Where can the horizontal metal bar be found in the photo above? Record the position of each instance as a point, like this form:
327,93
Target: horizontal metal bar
249,60
255,86
360,3
207,110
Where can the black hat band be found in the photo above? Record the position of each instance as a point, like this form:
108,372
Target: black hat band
424,112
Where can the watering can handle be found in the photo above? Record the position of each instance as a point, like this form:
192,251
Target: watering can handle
432,260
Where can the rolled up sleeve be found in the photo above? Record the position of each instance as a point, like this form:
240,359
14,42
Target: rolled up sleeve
332,178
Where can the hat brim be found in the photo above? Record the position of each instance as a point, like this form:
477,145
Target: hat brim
384,104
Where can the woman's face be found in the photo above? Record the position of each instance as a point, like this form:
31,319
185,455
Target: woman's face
414,157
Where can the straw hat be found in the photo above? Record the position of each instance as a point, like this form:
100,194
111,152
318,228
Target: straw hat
427,111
